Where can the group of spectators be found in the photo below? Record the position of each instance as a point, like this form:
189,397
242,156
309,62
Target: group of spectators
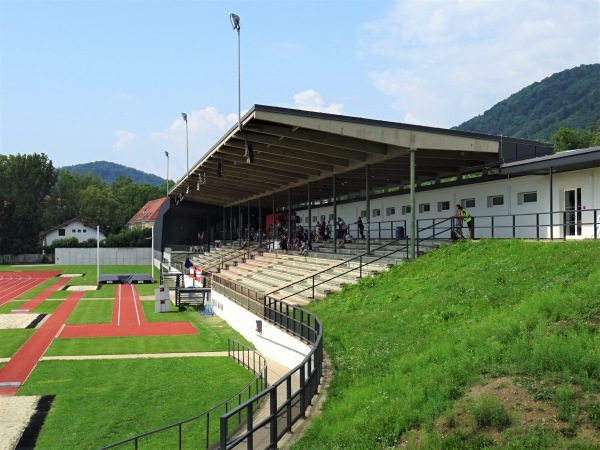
301,241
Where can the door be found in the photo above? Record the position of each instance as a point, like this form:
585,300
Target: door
572,219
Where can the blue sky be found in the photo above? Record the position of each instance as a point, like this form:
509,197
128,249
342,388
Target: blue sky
91,80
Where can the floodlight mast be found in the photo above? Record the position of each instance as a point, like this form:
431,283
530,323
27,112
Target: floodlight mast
167,155
235,23
187,156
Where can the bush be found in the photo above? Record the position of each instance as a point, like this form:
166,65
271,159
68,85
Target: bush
71,242
488,411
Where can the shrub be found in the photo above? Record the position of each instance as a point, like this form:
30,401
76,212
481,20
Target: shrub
489,411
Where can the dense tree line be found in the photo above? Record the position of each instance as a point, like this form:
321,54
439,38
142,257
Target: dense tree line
568,99
34,197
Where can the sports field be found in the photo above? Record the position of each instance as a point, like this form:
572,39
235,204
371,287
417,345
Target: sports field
110,365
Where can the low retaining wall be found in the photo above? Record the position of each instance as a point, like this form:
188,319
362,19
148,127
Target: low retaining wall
113,256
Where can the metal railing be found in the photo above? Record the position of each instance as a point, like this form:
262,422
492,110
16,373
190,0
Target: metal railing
564,224
201,431
269,415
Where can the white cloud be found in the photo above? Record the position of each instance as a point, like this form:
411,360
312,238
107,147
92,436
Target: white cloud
310,100
466,55
124,138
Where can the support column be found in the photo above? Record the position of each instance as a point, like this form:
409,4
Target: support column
368,206
413,217
551,207
289,234
274,226
259,220
309,212
334,229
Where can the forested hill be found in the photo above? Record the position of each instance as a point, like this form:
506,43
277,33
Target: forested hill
110,171
570,98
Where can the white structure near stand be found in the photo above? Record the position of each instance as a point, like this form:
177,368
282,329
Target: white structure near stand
163,300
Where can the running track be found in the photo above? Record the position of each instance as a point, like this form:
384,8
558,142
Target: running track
128,320
13,284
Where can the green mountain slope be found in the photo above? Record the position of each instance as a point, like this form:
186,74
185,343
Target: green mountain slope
110,171
570,98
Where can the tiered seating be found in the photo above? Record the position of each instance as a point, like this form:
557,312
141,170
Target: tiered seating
281,275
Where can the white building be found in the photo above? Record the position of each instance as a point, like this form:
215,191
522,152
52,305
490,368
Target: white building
72,228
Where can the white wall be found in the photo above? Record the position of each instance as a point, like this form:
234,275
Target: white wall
115,256
272,343
588,180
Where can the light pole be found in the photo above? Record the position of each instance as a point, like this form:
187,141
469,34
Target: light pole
167,155
235,23
184,115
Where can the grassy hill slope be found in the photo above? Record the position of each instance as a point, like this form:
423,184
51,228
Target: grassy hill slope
487,344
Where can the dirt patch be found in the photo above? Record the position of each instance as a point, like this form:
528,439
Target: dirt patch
520,412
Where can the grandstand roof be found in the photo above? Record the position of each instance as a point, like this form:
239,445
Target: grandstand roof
293,148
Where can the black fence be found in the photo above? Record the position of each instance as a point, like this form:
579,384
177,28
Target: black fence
202,431
263,420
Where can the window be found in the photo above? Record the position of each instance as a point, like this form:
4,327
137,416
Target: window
79,231
314,218
331,217
443,206
468,203
363,213
322,217
406,209
306,220
526,197
376,212
495,200
84,230
390,211
424,207
61,232
73,231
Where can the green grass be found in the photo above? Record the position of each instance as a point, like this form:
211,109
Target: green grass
407,345
212,334
104,401
13,340
89,278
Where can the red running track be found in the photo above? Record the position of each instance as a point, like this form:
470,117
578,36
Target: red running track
13,284
18,368
44,295
128,320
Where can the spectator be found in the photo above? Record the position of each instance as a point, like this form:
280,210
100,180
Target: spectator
342,227
361,228
464,215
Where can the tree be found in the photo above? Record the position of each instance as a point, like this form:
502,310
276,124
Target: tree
25,183
568,139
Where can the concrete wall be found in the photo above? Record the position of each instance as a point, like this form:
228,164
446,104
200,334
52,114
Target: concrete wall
511,189
114,256
272,343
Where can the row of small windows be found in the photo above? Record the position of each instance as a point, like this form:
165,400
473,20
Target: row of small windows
492,200
62,231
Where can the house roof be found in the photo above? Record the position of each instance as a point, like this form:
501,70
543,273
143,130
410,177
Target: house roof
148,212
299,151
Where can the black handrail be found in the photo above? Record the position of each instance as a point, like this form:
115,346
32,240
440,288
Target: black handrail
234,349
282,404
360,267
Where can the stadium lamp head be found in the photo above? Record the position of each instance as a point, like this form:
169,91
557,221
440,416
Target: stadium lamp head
184,115
235,21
